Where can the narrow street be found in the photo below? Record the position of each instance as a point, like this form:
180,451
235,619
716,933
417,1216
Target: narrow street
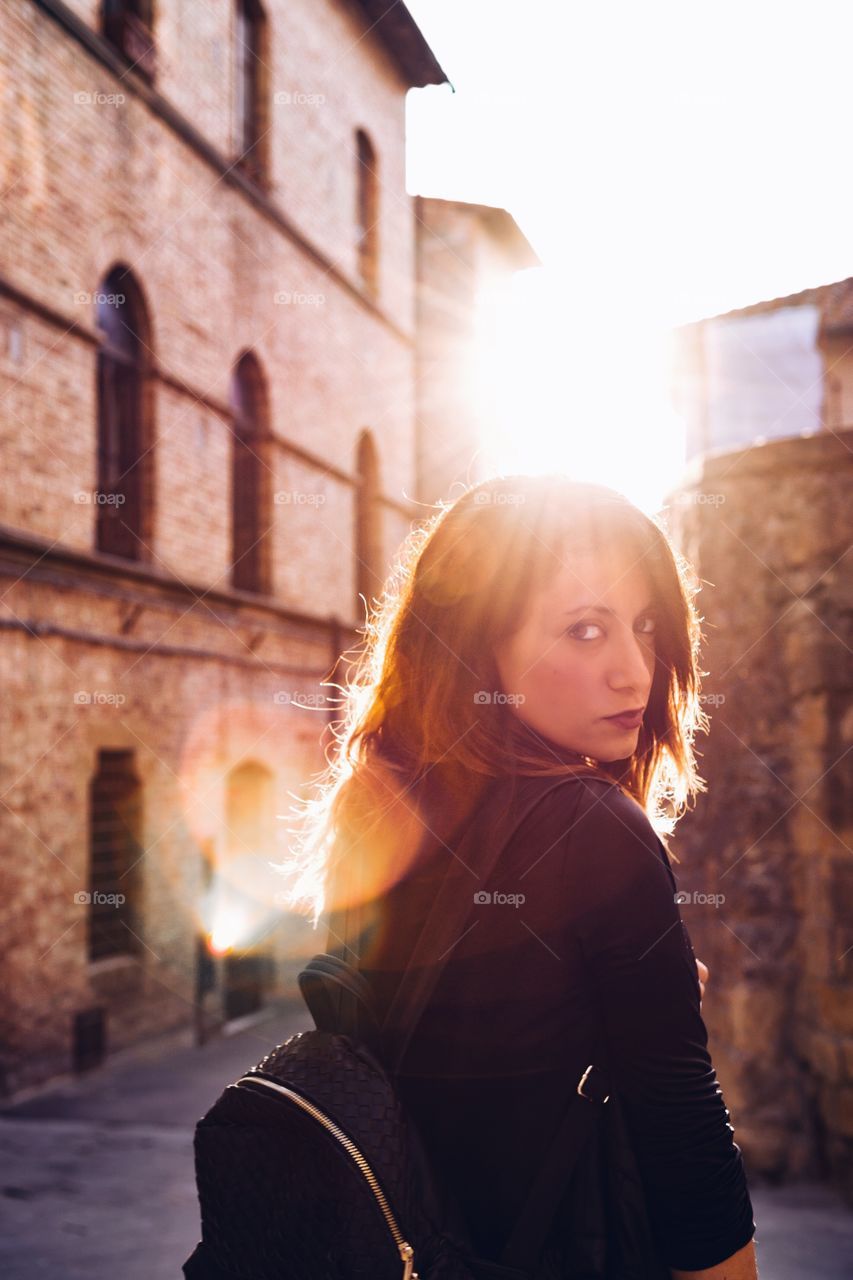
98,1175
98,1178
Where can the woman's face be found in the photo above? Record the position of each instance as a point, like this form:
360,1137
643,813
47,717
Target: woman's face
575,663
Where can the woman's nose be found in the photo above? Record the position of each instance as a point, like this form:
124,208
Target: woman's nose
633,667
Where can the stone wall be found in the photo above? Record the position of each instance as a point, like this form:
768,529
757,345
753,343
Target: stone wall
769,530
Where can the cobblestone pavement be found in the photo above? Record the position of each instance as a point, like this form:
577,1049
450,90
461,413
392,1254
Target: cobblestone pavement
97,1175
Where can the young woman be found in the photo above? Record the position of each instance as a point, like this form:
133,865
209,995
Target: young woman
535,627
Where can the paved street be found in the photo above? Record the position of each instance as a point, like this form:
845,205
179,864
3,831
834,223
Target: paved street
98,1180
98,1177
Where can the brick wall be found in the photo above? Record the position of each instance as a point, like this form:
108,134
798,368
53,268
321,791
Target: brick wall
95,184
163,659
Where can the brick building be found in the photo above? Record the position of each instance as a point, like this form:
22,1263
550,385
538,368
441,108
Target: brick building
208,350
462,251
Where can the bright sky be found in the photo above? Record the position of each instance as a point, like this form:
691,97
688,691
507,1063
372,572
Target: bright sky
667,161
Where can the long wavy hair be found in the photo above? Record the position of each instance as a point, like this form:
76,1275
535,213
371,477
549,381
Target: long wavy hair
417,742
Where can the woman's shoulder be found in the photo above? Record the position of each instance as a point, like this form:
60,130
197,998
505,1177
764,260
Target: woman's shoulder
591,798
592,819
573,809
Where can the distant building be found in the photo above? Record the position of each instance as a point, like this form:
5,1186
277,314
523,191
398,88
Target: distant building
461,250
764,515
208,353
775,369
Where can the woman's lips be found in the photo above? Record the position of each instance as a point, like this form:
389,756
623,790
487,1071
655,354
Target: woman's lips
630,721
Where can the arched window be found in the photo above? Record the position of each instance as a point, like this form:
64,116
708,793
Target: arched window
129,27
369,557
124,413
252,59
249,812
367,213
250,478
249,839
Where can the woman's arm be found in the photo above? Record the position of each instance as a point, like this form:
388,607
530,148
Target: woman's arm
621,895
740,1266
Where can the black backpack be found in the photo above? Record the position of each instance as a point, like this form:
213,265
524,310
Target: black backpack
308,1168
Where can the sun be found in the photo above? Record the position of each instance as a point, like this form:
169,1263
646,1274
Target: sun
558,388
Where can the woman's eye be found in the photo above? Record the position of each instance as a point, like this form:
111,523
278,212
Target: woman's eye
582,626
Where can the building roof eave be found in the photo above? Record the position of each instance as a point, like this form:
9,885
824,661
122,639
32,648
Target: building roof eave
397,30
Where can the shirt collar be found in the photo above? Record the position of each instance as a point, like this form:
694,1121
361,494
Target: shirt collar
528,738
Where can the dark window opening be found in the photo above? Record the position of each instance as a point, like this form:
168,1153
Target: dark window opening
122,398
115,849
250,475
129,27
251,85
367,213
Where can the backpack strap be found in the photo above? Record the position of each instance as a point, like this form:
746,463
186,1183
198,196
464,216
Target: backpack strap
340,999
576,1129
444,925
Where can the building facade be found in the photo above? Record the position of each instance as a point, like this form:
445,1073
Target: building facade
463,251
210,447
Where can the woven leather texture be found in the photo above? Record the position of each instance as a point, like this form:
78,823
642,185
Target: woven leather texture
281,1198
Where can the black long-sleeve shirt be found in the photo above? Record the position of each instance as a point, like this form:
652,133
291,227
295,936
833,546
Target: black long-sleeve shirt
597,948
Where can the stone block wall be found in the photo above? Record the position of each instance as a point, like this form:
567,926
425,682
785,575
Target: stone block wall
769,530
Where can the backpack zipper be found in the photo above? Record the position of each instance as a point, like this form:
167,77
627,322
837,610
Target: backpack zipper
407,1253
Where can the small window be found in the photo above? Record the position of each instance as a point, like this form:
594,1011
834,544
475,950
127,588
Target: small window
115,850
129,27
367,214
252,116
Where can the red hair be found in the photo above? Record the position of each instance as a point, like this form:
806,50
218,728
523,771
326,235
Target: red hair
412,725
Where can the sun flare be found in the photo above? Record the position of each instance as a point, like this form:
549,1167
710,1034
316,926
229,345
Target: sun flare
554,392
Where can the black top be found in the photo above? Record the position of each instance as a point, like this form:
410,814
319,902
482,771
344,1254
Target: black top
595,948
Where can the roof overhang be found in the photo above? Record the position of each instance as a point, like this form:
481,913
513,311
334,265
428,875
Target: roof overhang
397,30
